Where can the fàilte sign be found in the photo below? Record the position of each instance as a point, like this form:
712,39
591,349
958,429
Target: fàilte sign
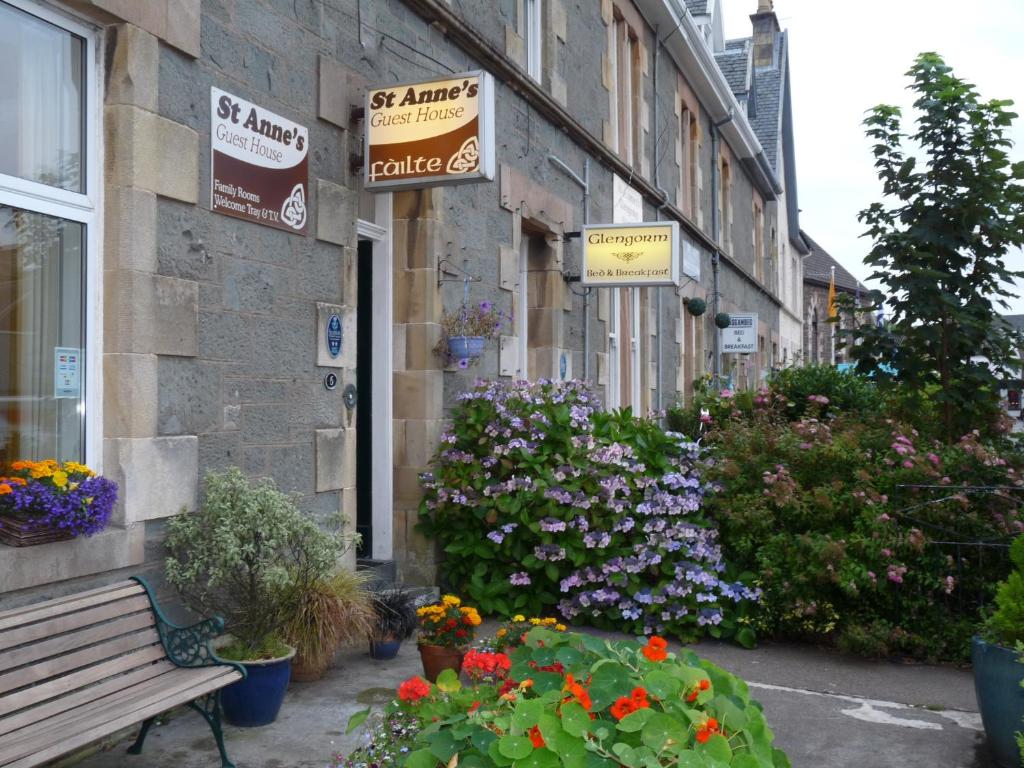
427,133
631,254
259,164
741,335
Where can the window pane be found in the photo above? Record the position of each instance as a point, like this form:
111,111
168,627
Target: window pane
41,337
41,100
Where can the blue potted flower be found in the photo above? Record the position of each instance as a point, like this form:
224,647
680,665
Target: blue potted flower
997,674
395,621
465,332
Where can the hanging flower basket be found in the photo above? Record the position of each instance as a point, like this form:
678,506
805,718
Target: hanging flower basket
465,347
722,320
696,306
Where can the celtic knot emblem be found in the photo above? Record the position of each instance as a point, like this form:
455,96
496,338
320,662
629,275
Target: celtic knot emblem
293,212
467,158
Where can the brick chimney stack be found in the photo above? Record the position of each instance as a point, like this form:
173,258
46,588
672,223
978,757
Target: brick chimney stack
766,28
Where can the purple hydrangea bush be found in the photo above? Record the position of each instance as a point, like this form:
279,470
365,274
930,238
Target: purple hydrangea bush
540,499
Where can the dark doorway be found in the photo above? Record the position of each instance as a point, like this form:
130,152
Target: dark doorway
364,387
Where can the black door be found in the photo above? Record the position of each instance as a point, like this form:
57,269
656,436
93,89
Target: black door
364,385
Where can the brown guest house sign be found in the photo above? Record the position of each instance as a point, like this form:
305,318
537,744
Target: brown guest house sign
259,164
427,133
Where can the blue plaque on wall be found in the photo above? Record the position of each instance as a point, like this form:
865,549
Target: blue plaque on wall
563,364
334,335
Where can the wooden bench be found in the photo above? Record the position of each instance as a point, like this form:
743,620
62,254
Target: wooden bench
79,668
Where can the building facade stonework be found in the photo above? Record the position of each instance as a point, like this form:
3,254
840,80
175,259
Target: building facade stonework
204,334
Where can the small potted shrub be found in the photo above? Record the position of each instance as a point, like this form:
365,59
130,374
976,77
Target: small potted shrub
446,628
464,333
44,501
997,675
246,554
329,612
394,621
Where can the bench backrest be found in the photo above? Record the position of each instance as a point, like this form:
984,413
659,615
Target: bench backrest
73,650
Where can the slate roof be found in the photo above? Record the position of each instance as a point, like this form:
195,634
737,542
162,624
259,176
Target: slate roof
739,42
697,7
818,266
735,65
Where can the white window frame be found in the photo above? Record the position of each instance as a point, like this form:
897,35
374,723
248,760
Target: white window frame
532,29
81,207
614,395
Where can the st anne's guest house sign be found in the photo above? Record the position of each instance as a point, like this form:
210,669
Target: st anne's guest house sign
259,164
434,132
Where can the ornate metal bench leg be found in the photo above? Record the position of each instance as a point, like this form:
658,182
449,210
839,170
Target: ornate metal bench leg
209,707
136,748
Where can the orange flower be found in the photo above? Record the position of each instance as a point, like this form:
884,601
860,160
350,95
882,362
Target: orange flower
703,685
639,695
4,489
576,693
413,689
655,648
623,706
536,738
707,730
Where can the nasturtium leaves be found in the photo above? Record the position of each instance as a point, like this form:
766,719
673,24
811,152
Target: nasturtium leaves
421,758
661,685
526,715
539,758
357,719
662,731
717,748
575,719
482,739
515,747
626,754
443,746
635,721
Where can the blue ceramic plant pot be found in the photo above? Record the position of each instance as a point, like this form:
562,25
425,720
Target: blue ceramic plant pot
997,676
256,700
384,650
466,347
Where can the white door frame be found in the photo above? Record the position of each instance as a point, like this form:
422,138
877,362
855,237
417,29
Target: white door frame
381,411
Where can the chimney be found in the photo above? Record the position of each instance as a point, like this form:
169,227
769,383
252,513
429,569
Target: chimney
766,28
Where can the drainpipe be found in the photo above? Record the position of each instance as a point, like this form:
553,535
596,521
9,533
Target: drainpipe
654,165
716,168
584,184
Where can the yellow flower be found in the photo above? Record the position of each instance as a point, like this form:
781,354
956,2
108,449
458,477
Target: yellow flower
60,479
535,621
40,471
560,627
450,601
547,622
502,632
519,617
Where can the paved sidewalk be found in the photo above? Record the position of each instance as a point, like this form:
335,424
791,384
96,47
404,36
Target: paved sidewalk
827,710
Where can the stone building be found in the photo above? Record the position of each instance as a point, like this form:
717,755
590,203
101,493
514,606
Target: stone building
819,334
306,354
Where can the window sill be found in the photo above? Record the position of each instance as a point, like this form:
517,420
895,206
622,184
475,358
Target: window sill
25,567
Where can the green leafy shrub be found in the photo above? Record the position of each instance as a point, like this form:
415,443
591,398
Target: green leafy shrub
1006,623
808,505
577,700
247,554
845,392
599,513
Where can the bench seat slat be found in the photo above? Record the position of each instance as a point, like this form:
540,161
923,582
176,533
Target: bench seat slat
110,686
44,670
62,686
35,745
117,585
60,606
82,638
56,625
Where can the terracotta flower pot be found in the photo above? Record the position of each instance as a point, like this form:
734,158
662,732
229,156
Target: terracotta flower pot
305,672
437,658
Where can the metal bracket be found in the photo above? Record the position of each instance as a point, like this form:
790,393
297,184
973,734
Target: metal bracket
445,267
567,236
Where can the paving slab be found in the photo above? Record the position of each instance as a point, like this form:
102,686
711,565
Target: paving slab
826,709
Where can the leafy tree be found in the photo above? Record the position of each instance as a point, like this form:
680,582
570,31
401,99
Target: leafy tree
953,207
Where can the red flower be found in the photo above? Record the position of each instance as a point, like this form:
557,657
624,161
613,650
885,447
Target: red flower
475,706
707,730
460,633
655,648
576,693
623,706
705,684
703,735
536,738
639,695
413,689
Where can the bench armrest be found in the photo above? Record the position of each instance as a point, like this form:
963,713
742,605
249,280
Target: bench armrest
188,646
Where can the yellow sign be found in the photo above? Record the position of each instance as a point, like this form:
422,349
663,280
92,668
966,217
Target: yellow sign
434,132
631,254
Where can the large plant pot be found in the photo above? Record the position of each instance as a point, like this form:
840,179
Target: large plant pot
437,658
997,676
256,700
384,650
305,672
466,347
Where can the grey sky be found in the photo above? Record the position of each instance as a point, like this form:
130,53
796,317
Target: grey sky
849,56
